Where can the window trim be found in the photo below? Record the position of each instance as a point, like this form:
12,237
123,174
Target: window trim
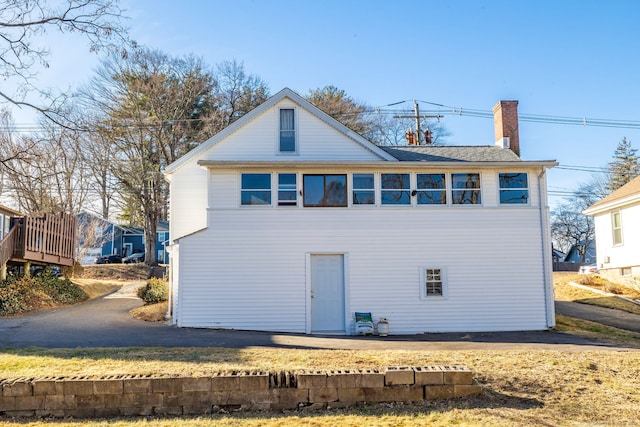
527,189
346,189
408,189
284,202
446,190
614,228
295,133
354,189
423,283
479,189
270,189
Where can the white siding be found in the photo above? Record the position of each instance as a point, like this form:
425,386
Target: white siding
627,254
247,270
188,201
259,140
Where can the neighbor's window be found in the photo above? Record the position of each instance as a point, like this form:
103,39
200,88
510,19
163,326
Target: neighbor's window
465,189
287,191
395,189
616,222
325,190
433,282
431,189
287,131
514,188
256,189
363,189
625,271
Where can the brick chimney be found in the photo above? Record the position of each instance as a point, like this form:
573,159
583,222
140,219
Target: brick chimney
505,121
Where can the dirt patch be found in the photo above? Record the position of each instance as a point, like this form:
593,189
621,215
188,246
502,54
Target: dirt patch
151,312
125,272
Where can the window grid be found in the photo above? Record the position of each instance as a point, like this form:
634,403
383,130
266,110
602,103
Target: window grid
256,189
433,282
287,131
465,189
364,192
617,228
395,189
287,189
431,189
514,188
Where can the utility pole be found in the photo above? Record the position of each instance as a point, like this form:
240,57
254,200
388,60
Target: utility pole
417,116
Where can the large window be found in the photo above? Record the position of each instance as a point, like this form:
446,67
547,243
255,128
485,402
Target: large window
465,189
287,191
325,190
287,131
514,188
256,189
431,189
616,223
395,189
363,189
432,282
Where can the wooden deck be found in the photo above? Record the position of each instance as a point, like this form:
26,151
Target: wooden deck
49,239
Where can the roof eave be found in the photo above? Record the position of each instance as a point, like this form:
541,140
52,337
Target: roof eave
292,164
613,204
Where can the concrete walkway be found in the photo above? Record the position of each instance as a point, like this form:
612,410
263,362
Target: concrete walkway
105,322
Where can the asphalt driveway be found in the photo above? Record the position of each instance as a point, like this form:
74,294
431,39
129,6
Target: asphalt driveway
105,322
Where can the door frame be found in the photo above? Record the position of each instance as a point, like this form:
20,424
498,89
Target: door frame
345,272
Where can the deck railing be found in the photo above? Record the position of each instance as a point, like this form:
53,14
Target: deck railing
7,246
49,239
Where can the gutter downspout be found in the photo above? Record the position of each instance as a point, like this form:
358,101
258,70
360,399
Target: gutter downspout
547,268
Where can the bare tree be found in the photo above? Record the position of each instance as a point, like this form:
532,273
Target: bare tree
336,103
24,23
238,92
153,109
50,179
569,226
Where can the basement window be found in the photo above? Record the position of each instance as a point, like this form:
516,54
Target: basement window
432,282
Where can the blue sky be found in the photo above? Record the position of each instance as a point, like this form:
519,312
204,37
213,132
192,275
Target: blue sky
557,58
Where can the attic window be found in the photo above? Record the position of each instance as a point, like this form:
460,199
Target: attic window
287,131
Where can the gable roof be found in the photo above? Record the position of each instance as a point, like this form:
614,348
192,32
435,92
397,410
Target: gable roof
445,153
293,96
628,193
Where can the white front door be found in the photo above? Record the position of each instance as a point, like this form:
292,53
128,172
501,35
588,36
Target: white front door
327,294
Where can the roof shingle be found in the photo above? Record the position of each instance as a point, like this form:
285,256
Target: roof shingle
446,153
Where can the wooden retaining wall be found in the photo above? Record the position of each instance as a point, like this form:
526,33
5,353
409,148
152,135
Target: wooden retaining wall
144,395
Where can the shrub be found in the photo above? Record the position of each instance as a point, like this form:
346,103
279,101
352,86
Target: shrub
21,294
156,290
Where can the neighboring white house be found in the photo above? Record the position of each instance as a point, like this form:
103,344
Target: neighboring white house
288,221
617,222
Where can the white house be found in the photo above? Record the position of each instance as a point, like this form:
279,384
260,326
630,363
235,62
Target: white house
288,221
617,222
